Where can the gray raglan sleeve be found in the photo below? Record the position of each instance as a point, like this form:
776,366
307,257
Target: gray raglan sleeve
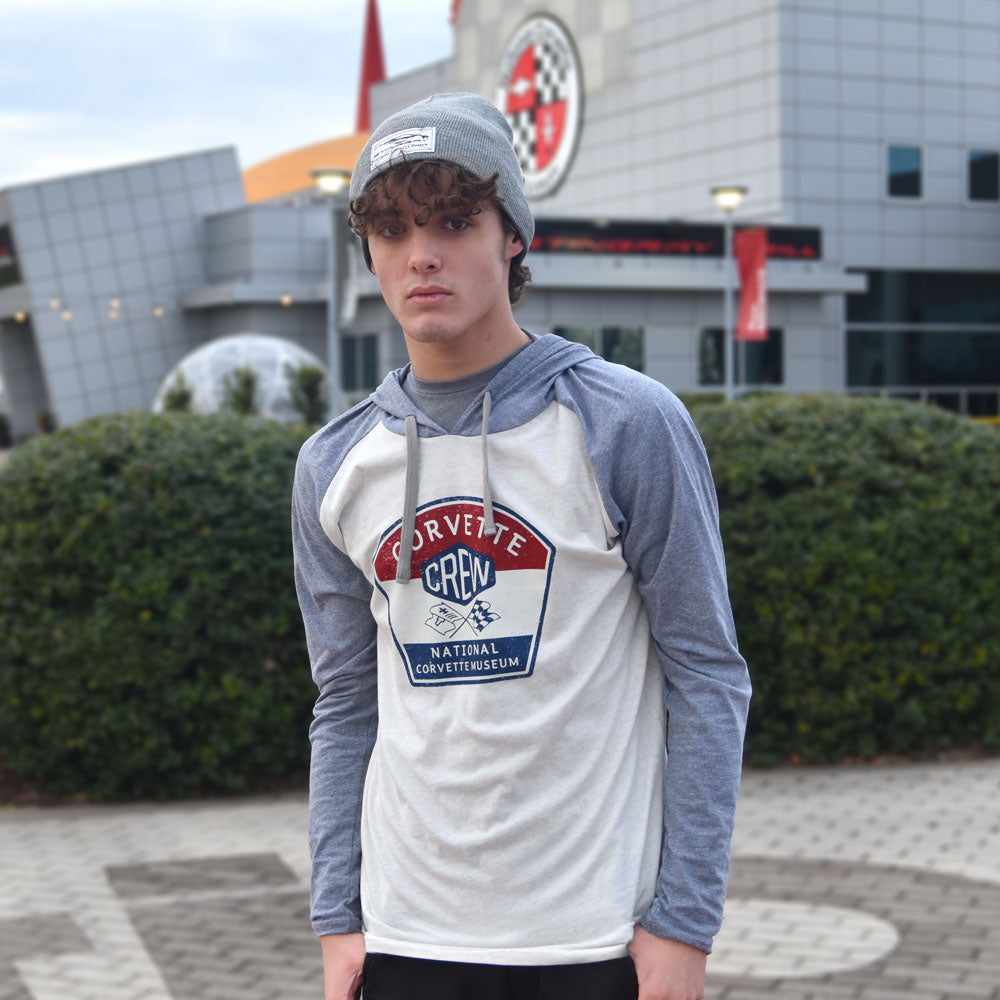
655,478
335,600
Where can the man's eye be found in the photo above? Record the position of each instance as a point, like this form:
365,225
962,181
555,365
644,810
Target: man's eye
456,225
389,229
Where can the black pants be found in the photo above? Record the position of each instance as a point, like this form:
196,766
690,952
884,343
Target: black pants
389,977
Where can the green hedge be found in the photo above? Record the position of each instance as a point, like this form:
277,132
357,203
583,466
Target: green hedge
150,641
863,545
151,646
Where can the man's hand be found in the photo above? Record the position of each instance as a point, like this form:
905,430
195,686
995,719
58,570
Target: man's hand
666,970
343,956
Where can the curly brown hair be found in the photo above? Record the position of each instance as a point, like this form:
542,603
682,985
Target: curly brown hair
435,186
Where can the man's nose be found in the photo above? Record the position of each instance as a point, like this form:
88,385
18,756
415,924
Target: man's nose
424,253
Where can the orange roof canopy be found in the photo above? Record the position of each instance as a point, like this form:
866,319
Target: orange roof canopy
291,172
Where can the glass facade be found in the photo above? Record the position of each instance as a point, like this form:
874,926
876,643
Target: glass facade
928,335
904,173
359,369
624,345
922,357
927,297
984,175
764,359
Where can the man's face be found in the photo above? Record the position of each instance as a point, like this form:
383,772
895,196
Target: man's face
445,280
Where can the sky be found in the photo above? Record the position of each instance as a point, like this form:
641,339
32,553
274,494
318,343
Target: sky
86,84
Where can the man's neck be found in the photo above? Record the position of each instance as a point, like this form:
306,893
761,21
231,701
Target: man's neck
455,358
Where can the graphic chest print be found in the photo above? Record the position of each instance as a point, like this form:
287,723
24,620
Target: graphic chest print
474,607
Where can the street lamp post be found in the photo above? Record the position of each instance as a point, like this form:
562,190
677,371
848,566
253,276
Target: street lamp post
728,197
332,183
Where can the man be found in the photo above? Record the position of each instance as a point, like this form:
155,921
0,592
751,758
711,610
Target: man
510,571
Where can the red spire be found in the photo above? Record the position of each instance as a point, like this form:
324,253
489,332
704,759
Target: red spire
372,66
455,7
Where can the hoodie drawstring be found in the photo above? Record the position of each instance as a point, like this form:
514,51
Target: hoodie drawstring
409,502
489,525
412,483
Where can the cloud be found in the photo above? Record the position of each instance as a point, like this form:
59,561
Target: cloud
14,122
93,83
41,146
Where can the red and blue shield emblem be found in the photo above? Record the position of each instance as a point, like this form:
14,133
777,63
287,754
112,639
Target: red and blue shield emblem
474,606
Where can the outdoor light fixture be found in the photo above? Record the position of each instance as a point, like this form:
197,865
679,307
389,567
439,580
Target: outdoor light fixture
157,311
728,197
286,300
20,316
67,315
115,303
331,180
54,303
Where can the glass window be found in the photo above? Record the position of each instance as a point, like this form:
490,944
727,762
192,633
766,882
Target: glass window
586,335
369,361
927,297
623,345
904,172
359,362
922,357
983,404
946,400
711,357
984,175
764,358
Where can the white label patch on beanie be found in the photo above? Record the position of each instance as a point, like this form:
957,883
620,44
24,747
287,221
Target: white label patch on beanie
410,140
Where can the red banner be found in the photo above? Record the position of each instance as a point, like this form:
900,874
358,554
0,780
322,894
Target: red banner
750,250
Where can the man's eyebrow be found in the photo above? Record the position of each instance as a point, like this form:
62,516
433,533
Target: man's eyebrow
384,213
459,207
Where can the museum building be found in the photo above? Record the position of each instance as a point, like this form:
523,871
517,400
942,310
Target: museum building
865,137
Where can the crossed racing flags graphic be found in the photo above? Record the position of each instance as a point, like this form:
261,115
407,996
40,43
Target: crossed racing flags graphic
446,620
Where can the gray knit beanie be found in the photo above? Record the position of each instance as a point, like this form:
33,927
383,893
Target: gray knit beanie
464,129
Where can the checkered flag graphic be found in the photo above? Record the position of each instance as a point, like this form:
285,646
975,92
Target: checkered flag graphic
480,616
523,127
550,87
550,77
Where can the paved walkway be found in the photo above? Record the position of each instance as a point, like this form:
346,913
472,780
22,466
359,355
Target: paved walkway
878,883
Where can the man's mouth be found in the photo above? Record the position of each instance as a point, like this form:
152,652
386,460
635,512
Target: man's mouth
428,293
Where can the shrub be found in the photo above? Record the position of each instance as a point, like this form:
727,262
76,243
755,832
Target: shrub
239,391
698,399
150,641
307,392
864,564
177,398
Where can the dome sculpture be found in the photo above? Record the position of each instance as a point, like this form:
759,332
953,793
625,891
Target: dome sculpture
204,371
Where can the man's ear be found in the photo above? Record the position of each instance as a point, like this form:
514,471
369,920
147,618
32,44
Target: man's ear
513,246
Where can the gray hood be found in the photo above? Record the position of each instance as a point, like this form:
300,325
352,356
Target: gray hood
517,394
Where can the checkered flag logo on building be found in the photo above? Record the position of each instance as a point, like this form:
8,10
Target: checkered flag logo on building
540,95
536,104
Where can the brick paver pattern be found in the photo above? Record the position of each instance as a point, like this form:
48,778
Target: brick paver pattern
869,883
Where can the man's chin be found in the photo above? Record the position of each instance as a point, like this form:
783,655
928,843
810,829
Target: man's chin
429,334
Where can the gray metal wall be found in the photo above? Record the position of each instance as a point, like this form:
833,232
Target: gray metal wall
131,235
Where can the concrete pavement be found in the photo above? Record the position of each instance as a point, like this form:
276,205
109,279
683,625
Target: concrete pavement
871,882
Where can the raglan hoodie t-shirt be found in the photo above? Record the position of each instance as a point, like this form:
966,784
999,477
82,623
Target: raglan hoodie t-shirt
500,619
446,401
